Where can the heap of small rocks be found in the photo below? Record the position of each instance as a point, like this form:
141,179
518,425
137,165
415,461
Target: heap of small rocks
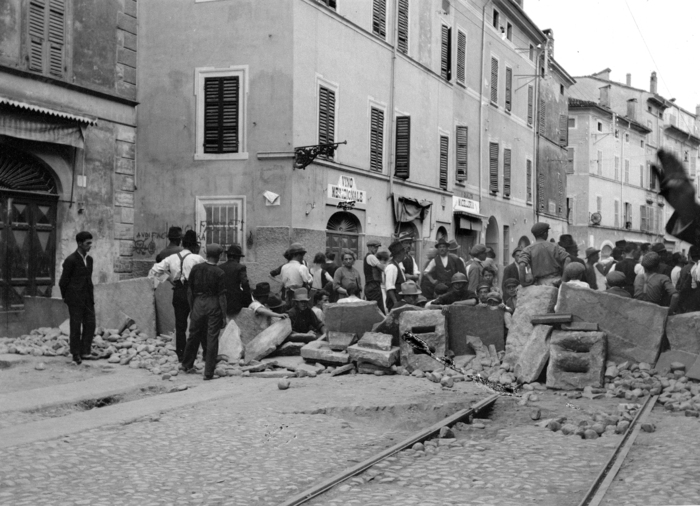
598,424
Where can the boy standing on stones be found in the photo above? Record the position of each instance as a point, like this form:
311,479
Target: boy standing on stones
546,260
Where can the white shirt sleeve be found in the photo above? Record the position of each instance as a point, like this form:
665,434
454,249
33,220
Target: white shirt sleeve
159,270
305,274
430,267
255,305
374,262
638,269
391,273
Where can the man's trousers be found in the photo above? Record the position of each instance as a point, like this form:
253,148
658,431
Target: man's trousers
182,311
206,321
82,328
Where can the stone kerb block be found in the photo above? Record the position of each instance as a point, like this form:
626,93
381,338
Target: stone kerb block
683,332
390,324
534,355
381,358
320,351
353,317
576,360
532,300
487,324
165,314
268,340
429,326
250,325
340,341
634,328
376,341
134,297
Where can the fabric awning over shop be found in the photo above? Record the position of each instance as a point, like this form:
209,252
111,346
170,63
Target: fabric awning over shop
468,222
407,209
35,123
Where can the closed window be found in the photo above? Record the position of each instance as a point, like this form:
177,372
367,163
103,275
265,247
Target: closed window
402,42
461,57
221,220
599,204
379,18
46,25
509,88
330,3
643,218
563,129
572,122
506,172
462,152
541,117
570,161
627,171
376,140
617,168
530,104
403,147
326,115
494,80
444,156
493,167
617,213
528,175
641,175
446,53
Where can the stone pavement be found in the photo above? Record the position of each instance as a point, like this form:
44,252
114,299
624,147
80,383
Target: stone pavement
663,467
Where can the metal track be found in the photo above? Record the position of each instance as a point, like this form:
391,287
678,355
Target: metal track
419,437
596,493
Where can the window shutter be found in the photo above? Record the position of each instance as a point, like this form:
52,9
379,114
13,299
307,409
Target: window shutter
444,153
570,164
693,167
530,99
403,147
509,87
37,34
376,156
641,176
494,80
540,192
600,163
221,114
617,168
493,167
563,129
529,180
461,57
57,36
506,172
462,151
446,53
541,117
627,171
643,217
402,42
617,213
326,115
379,18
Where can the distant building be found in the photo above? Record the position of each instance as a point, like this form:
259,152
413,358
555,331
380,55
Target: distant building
67,141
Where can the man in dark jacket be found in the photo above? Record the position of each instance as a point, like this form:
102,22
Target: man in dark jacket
567,242
175,238
236,281
626,266
77,292
592,257
511,271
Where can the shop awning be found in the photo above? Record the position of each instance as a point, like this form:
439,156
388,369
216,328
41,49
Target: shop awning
408,209
467,214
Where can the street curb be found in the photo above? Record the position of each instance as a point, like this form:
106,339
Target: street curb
7,360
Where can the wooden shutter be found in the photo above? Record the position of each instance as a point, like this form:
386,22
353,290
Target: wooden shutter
509,88
57,36
493,167
402,42
376,155
444,153
529,180
540,192
643,217
403,147
37,34
530,98
506,172
461,57
494,80
627,171
379,18
541,117
446,53
221,114
326,115
570,161
563,129
641,176
462,151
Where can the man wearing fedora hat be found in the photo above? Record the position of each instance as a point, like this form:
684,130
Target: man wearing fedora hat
443,266
177,268
175,238
265,305
410,267
373,270
393,275
592,257
303,319
236,281
294,273
411,295
545,260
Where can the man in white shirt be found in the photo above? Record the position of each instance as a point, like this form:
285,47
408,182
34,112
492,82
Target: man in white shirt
394,275
294,273
176,269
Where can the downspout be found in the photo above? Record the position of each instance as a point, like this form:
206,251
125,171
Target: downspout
392,92
481,95
536,141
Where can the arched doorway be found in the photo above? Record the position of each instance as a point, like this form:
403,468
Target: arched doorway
492,237
441,234
342,232
28,202
523,242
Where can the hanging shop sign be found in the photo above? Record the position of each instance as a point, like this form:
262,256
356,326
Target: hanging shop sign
465,205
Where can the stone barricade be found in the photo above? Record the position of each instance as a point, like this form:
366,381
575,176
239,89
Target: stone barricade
134,297
428,326
487,324
534,355
268,340
353,317
683,332
576,360
390,324
250,325
532,300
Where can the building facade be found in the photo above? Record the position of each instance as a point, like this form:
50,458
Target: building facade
67,141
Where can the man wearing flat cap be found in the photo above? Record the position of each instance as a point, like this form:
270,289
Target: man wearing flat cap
174,238
616,281
592,257
373,270
546,260
441,268
236,281
206,292
475,266
652,286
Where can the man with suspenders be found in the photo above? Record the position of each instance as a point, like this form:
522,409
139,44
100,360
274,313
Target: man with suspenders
177,268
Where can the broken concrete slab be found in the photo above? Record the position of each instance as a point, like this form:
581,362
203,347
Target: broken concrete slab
65,327
288,350
298,337
133,297
683,332
126,321
339,341
353,317
581,326
268,340
8,360
634,328
481,352
377,357
250,324
534,355
320,351
376,341
390,324
230,344
428,326
668,357
165,314
487,324
368,368
576,360
532,300
463,361
343,369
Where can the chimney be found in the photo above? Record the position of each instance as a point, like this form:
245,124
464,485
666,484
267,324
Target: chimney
550,35
632,108
605,96
629,80
652,84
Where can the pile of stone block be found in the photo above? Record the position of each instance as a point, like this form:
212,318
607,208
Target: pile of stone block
374,353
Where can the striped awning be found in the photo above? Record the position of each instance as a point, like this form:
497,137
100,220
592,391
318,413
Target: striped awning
46,110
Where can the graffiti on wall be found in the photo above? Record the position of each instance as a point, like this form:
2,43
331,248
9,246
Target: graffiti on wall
149,243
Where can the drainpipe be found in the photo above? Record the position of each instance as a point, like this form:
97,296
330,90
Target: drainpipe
392,92
481,94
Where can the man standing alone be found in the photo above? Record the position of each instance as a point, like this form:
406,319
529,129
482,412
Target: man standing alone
78,294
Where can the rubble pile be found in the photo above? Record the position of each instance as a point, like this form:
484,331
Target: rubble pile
597,424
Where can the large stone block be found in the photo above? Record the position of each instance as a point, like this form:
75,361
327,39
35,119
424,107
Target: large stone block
353,317
250,325
576,360
663,365
320,351
487,324
534,355
693,372
340,341
377,357
428,326
532,300
683,332
230,344
134,297
634,328
44,312
390,324
165,314
376,341
268,340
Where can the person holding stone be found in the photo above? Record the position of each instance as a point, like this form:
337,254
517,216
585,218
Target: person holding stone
616,283
652,286
543,262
